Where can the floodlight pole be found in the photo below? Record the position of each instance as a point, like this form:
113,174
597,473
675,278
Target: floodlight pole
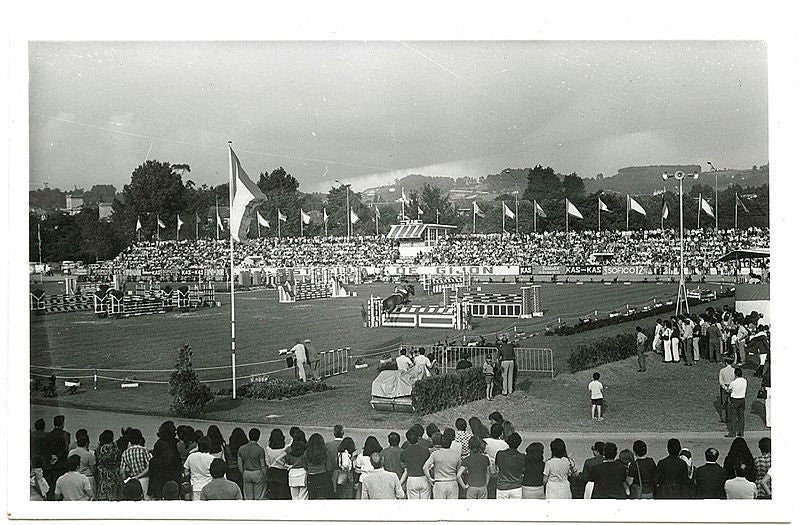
683,299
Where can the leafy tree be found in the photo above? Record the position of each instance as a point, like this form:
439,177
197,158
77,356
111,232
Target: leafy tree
189,395
280,189
573,186
543,185
49,199
99,193
431,200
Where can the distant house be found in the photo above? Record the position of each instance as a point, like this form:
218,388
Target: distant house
105,211
74,203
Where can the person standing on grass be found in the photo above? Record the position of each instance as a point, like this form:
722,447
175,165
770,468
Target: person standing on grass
299,352
506,351
488,376
686,341
596,393
641,347
403,361
422,359
736,416
666,338
658,343
714,340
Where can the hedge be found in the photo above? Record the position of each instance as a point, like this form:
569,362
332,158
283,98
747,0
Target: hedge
602,351
438,392
276,389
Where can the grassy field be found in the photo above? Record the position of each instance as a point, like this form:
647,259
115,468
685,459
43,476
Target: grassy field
80,340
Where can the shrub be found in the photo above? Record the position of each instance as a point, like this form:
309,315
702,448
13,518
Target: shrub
272,388
602,351
189,395
435,393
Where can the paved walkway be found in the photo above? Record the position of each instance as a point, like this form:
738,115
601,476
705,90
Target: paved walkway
578,444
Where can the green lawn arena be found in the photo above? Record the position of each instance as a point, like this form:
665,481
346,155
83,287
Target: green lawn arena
105,353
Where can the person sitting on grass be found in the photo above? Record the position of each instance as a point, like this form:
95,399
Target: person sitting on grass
596,389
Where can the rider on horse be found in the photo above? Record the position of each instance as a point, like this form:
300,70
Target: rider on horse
403,291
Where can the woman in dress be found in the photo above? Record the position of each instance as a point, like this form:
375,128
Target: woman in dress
166,463
237,439
557,471
533,475
319,479
345,488
277,469
109,483
295,460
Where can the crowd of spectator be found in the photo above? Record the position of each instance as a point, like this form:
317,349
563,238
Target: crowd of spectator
472,460
656,249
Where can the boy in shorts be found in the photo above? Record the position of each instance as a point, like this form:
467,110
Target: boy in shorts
596,389
488,376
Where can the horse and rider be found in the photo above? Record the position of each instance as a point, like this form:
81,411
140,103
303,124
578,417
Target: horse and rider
401,296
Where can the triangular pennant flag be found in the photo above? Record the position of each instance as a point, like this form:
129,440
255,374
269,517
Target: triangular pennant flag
306,218
635,206
706,207
138,224
475,210
740,203
664,210
281,216
353,217
245,197
262,221
325,215
602,205
507,211
161,223
538,210
572,210
403,196
219,222
377,212
419,211
180,222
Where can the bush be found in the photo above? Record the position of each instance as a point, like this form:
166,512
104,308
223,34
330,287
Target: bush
277,389
189,395
435,393
602,351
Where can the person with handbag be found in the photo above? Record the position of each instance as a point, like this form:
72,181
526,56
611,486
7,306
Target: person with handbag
558,470
641,472
344,488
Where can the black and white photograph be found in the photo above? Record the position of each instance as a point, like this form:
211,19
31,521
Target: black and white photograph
313,266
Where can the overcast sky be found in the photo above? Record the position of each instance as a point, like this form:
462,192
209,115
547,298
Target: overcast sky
367,112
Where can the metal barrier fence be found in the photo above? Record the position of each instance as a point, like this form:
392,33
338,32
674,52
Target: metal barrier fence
527,359
334,362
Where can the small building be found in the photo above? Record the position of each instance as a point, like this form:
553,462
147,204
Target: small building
416,237
74,203
105,211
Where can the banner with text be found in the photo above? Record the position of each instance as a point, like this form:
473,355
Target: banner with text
452,270
551,269
626,270
584,269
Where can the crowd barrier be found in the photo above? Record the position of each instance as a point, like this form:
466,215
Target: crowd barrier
535,360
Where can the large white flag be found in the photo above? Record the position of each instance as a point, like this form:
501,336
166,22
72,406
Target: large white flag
635,206
572,210
377,212
219,222
538,210
602,205
353,217
306,218
281,216
706,207
161,223
138,224
475,210
508,211
245,197
325,215
262,221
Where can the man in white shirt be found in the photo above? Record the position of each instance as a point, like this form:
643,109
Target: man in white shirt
657,342
494,444
299,352
423,360
738,392
726,377
403,362
198,467
739,487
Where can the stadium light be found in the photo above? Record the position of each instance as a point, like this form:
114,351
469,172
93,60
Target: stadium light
683,298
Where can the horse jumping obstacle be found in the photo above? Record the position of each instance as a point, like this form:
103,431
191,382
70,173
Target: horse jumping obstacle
434,285
293,291
524,305
146,302
51,304
451,317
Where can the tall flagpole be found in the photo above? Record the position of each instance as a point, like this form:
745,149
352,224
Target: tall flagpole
735,211
231,187
699,203
376,220
503,211
301,222
473,217
196,226
566,209
535,214
663,202
158,227
258,223
279,224
516,213
598,214
177,229
628,212
216,219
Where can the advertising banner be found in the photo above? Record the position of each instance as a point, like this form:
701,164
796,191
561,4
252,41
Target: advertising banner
584,269
452,270
547,269
626,270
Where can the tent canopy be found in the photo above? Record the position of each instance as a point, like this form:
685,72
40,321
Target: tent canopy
754,253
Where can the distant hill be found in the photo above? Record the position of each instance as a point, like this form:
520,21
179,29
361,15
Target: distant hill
645,180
